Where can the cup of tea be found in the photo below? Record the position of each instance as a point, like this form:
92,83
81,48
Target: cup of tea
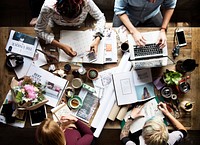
75,102
77,83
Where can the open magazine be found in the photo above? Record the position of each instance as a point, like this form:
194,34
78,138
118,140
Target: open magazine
80,41
149,110
54,85
133,86
90,104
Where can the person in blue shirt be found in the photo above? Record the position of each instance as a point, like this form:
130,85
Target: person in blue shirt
143,13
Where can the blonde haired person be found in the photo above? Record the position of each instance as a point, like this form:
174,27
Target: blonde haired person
71,131
154,131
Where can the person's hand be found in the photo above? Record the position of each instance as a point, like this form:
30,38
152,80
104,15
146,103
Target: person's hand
69,51
94,45
139,39
68,118
162,39
136,112
163,107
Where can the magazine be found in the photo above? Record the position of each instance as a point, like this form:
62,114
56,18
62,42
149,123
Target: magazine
90,104
54,85
20,43
133,86
80,41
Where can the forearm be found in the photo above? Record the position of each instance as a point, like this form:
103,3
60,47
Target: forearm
175,122
60,45
96,13
125,129
126,21
167,16
83,128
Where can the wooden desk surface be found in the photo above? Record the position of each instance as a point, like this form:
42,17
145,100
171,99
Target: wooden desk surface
192,50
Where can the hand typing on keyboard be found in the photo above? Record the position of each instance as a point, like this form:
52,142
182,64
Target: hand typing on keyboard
162,39
139,39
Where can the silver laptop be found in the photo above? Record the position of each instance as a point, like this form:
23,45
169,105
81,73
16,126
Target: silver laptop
150,55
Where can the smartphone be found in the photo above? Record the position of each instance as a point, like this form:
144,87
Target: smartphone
180,36
91,56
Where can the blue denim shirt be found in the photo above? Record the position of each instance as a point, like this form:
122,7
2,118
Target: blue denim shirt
141,10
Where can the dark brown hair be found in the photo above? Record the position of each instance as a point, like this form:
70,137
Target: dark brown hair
69,8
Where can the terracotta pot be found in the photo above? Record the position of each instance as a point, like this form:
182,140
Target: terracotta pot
92,74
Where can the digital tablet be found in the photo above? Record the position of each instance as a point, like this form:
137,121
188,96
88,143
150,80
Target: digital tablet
37,115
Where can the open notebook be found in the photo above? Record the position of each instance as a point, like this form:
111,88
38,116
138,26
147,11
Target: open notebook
148,59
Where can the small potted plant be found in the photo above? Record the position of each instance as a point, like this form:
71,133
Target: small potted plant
92,74
172,77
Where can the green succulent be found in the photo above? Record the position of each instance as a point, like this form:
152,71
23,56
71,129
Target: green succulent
93,74
172,77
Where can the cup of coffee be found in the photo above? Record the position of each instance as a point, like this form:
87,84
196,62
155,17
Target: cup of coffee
77,83
75,102
124,47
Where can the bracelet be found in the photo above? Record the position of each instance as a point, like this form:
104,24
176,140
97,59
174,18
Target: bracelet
98,34
164,29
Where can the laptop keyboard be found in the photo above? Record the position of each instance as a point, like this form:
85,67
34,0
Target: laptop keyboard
148,49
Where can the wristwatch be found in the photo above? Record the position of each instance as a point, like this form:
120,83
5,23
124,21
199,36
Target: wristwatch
130,118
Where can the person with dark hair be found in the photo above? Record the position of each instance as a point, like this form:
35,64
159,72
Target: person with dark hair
35,6
154,131
145,13
69,13
71,131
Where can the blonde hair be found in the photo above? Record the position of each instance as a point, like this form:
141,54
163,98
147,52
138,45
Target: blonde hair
155,132
49,133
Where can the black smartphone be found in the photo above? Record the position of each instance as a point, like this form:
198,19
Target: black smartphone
180,36
91,56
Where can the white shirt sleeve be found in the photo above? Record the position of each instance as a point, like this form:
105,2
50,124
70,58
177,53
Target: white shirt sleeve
175,136
130,143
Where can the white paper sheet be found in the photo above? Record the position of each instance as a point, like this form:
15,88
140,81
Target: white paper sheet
108,99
